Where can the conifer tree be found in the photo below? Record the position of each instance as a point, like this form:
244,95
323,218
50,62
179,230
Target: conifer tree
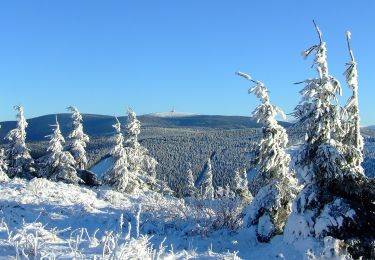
241,186
319,114
189,189
337,199
275,185
118,176
59,164
353,139
3,166
321,209
20,162
78,139
133,168
149,166
139,160
204,182
134,149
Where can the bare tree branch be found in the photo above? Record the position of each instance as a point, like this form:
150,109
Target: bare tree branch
348,34
246,76
319,32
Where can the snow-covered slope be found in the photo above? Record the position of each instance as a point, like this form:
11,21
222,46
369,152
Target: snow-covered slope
55,219
102,167
171,114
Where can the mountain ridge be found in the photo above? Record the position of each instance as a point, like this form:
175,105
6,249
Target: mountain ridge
101,125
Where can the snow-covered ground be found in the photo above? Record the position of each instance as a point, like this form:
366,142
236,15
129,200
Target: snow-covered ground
171,114
102,167
66,221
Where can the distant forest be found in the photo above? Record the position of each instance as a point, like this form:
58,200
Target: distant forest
177,148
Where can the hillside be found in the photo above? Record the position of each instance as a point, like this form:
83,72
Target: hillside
47,219
371,127
101,125
180,142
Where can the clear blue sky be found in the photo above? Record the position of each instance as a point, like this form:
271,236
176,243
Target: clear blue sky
103,56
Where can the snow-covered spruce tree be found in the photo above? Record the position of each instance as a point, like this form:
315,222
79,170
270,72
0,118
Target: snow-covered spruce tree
241,186
133,168
188,187
204,184
319,115
140,162
149,165
275,185
352,139
134,150
319,160
3,166
21,164
59,164
118,176
355,187
335,201
78,139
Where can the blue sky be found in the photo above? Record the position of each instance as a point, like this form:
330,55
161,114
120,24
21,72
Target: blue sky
103,56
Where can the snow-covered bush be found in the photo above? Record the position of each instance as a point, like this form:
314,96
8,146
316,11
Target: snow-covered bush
275,187
58,165
333,249
140,248
78,140
31,240
228,208
20,162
